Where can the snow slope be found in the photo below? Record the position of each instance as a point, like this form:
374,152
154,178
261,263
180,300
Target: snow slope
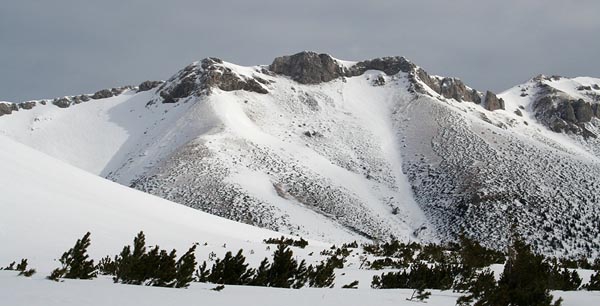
47,205
17,291
247,156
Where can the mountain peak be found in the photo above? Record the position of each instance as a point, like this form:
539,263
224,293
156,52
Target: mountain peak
308,67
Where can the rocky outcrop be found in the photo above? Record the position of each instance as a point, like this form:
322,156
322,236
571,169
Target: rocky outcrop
225,79
453,88
562,113
583,111
492,102
390,65
7,108
27,105
102,94
148,85
308,67
63,102
82,98
311,68
200,78
449,88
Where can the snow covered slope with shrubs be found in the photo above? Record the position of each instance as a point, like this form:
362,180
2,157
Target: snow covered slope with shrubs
47,205
336,150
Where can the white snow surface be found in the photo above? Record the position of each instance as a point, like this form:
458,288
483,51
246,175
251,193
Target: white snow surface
47,205
20,291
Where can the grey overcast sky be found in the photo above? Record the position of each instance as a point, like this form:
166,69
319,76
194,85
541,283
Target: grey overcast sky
59,47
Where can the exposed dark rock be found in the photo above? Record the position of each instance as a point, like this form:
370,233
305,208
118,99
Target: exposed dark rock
379,81
102,94
184,88
453,88
308,67
596,109
584,88
313,134
148,85
197,79
81,98
596,87
432,83
7,108
390,65
566,112
492,102
450,88
312,68
119,90
554,109
27,105
225,79
583,111
63,102
76,100
518,113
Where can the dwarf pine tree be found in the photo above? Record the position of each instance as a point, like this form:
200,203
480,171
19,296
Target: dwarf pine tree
322,275
594,283
75,262
283,268
185,268
419,294
202,273
106,266
130,265
563,279
22,266
301,275
159,267
480,288
524,281
261,278
231,270
474,255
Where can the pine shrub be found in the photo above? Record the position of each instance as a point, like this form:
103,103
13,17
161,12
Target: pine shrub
75,262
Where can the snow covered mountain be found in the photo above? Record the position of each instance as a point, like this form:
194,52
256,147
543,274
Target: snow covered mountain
336,150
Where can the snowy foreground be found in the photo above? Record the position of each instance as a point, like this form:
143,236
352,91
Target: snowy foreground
63,202
17,291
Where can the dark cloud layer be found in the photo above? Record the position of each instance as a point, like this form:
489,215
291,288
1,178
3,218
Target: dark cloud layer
60,47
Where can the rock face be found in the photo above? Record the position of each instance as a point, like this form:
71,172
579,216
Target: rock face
453,88
492,102
390,65
308,67
563,113
102,94
200,78
312,68
27,105
7,108
225,79
148,85
62,102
